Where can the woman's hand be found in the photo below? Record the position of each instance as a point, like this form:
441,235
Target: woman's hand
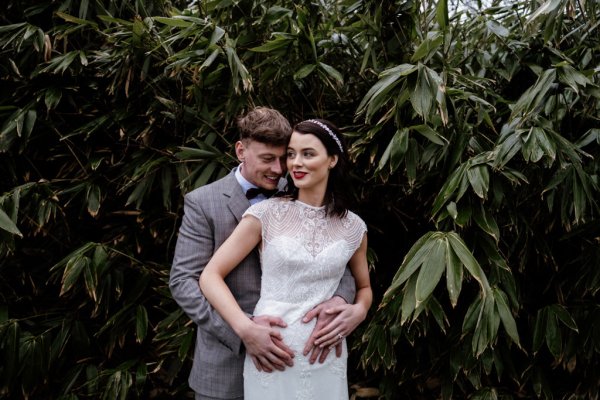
349,316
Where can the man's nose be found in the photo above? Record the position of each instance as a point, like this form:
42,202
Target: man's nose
277,167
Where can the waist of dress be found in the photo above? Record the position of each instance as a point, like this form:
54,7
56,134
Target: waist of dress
289,312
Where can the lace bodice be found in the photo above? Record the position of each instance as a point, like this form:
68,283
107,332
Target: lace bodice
304,251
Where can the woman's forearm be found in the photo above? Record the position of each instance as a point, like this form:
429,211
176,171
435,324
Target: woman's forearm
364,298
217,292
240,243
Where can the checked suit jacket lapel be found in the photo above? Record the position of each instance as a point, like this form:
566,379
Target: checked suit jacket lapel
236,199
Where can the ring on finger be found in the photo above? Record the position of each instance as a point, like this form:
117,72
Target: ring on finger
340,336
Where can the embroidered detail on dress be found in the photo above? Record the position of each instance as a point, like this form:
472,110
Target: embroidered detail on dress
303,257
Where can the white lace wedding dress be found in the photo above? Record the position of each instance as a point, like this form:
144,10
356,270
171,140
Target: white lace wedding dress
304,254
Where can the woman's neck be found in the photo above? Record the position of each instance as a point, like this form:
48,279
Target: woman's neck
312,198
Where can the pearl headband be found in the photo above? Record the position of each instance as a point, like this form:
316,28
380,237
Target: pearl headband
328,130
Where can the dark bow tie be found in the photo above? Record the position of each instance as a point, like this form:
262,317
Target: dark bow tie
253,192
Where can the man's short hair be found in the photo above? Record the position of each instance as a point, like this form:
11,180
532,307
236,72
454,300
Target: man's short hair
265,125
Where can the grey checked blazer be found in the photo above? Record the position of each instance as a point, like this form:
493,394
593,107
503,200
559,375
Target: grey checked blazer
211,213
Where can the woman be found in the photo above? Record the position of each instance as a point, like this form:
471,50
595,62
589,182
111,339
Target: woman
306,240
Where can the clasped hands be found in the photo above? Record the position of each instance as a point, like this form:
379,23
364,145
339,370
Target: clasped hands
335,320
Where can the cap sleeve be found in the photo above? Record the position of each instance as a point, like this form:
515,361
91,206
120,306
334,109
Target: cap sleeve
356,230
257,210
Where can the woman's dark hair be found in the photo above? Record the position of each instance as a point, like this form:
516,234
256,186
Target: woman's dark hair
337,194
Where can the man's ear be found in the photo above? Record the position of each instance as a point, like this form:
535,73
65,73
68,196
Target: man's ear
239,150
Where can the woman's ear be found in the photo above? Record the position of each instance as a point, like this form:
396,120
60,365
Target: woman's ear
333,162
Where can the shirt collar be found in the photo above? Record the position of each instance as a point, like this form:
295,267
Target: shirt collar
245,184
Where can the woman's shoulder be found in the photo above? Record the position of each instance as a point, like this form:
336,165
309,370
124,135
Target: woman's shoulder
352,219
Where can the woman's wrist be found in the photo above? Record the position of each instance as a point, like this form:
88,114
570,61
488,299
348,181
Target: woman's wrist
243,326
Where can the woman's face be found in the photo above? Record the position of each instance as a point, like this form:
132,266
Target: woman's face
308,162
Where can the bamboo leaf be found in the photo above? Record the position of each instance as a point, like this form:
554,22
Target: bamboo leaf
472,316
217,35
174,21
553,336
534,95
73,269
52,98
507,149
449,188
90,277
7,224
395,150
592,135
190,153
29,123
506,316
409,300
579,203
428,46
454,274
93,197
304,71
465,256
332,72
479,178
10,344
75,20
441,13
572,78
563,315
430,134
539,330
210,59
412,261
487,222
141,323
206,174
431,271
422,96
497,29
436,309
377,95
280,42
546,145
546,8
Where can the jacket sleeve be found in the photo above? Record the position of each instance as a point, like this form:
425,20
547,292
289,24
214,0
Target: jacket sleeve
195,246
347,287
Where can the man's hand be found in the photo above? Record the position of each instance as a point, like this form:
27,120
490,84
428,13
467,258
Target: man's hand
323,320
265,346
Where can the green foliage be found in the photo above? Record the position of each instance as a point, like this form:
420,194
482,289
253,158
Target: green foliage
475,138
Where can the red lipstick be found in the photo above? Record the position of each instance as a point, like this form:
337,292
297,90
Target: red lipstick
298,174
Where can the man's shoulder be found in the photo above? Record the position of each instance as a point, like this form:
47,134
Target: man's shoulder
214,188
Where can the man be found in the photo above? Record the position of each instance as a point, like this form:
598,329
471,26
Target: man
210,215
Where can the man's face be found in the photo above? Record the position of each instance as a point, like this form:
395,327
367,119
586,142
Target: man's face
263,164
